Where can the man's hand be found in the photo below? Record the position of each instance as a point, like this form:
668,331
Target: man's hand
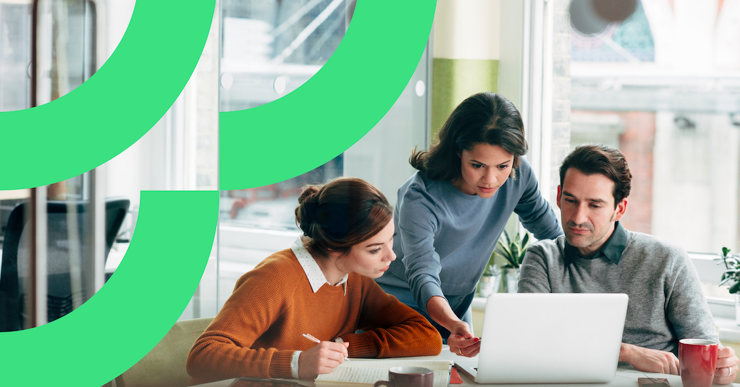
321,359
726,366
649,360
461,341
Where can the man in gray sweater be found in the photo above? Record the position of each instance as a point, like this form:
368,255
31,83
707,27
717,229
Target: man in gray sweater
598,255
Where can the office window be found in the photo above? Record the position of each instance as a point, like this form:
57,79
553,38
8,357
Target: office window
270,48
630,40
667,96
74,38
257,51
65,45
15,56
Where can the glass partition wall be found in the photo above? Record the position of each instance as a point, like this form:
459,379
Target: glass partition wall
51,256
61,242
75,233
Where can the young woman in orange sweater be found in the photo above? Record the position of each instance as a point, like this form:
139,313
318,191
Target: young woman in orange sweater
323,285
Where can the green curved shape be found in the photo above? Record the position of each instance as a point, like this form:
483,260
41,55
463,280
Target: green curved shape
336,107
116,106
125,319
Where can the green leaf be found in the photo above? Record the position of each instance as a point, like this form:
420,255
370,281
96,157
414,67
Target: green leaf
525,241
514,251
506,253
725,251
508,238
726,280
500,248
735,288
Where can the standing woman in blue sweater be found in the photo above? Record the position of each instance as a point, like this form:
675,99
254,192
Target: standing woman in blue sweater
451,212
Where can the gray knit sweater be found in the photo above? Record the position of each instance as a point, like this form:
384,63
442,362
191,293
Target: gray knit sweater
666,302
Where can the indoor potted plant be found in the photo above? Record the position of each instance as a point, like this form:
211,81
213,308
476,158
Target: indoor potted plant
731,277
490,280
513,251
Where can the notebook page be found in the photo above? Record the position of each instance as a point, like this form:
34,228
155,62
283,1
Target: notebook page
367,372
355,375
371,363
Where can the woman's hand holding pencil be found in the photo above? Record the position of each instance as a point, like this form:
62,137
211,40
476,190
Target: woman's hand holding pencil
322,358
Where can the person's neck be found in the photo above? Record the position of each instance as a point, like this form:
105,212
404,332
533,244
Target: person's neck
593,249
328,266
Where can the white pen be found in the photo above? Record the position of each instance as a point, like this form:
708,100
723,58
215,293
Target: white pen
317,341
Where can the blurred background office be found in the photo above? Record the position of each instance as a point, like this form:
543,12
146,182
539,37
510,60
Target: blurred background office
660,80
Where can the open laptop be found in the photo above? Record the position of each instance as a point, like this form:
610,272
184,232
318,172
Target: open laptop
549,338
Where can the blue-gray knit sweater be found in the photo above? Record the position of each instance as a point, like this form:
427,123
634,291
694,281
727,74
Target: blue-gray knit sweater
444,237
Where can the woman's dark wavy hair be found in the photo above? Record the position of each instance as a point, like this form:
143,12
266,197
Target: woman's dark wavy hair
483,118
341,213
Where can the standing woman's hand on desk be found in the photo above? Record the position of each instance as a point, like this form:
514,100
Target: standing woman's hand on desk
461,340
321,359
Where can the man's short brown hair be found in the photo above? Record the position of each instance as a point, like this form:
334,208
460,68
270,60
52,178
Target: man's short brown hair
601,159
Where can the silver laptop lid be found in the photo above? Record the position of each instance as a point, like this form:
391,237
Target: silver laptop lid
551,338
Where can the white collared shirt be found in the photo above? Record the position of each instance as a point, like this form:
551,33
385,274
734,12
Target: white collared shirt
317,279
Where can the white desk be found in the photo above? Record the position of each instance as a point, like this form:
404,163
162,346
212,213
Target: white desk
625,377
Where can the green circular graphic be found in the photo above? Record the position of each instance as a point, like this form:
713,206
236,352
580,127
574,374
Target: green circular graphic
133,311
260,146
333,109
116,106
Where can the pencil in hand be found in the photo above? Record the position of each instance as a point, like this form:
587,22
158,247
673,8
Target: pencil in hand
317,341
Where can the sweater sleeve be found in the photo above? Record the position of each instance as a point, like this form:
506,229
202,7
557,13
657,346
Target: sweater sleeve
224,350
391,329
533,277
417,225
534,211
686,306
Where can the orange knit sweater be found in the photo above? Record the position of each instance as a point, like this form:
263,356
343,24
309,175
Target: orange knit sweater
261,324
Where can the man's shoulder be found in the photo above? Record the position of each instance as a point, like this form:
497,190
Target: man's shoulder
548,249
656,245
659,250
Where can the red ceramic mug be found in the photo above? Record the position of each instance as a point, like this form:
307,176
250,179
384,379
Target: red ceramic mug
408,377
697,360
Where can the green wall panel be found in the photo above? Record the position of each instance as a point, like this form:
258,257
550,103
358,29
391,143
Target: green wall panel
456,79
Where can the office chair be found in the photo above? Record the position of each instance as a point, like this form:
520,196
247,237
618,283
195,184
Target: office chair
14,270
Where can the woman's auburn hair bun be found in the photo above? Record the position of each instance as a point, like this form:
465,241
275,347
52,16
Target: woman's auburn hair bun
305,213
309,192
341,213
